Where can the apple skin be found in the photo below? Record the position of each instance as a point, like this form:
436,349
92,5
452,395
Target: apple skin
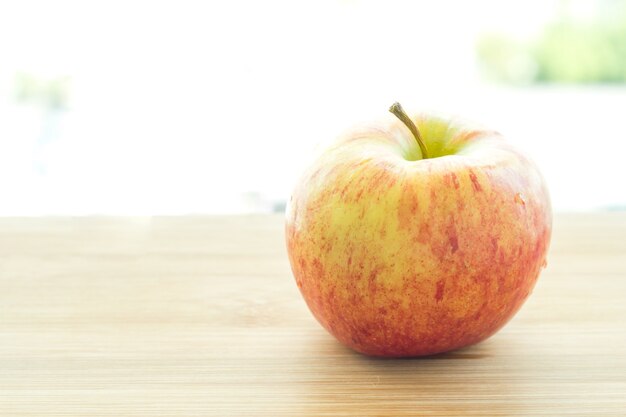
398,256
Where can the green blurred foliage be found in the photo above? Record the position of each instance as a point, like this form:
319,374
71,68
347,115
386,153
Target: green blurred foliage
50,93
566,52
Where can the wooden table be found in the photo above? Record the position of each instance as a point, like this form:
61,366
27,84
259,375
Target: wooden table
199,316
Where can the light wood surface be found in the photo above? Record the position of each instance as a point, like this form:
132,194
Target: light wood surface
199,316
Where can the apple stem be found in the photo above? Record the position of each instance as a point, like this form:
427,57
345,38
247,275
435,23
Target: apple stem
399,112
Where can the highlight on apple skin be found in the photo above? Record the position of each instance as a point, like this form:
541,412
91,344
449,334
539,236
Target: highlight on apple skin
398,255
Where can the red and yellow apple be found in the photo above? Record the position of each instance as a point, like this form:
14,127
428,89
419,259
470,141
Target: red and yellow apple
417,236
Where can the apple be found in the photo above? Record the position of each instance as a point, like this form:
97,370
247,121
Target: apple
417,235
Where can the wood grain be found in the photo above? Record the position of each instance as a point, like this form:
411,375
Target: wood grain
198,316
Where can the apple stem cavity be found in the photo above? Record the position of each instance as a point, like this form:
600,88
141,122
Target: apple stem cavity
399,112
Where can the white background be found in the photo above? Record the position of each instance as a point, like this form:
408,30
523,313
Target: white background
213,107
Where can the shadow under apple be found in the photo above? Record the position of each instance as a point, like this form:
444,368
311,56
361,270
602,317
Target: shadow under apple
483,379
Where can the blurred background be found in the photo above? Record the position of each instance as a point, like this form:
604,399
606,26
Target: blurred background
180,107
